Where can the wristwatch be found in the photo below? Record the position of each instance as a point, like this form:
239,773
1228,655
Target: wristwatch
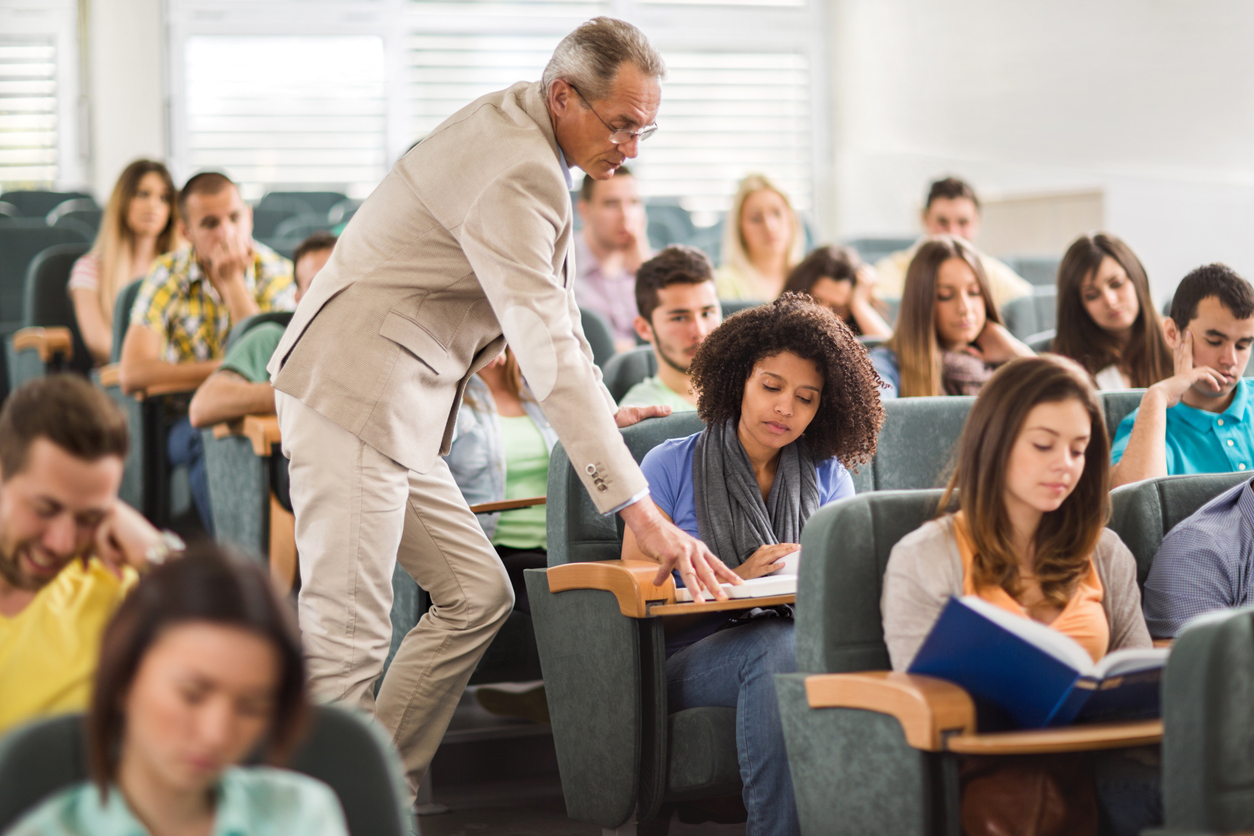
169,545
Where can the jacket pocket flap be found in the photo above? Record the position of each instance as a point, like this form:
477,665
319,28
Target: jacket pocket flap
416,340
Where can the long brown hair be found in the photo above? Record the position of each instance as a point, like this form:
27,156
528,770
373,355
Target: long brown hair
116,241
1147,359
208,585
1066,537
914,339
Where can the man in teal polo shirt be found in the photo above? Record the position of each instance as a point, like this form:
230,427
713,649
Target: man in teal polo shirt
1198,420
241,385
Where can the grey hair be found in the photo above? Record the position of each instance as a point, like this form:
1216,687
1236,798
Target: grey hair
590,56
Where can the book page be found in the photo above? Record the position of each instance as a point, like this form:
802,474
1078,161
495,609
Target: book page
777,584
1130,660
1063,648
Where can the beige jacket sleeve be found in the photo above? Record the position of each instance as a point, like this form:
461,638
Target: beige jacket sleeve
925,570
508,237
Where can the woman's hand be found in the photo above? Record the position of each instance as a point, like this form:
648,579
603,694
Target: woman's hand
998,345
1173,388
766,560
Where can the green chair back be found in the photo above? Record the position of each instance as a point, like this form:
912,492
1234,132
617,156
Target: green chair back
845,548
319,203
1142,513
735,306
21,240
625,370
122,315
1030,315
916,443
576,530
340,749
599,336
1208,726
46,303
1118,404
37,203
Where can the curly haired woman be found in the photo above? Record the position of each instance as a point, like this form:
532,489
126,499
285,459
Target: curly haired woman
790,400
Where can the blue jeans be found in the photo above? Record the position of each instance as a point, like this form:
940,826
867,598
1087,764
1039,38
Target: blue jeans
184,446
735,668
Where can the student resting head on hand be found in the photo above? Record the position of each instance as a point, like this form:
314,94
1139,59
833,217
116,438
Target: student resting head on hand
949,338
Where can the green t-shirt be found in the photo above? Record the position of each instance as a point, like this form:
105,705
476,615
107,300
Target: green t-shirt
249,356
653,392
526,475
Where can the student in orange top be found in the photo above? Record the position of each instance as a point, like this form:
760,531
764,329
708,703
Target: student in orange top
1023,527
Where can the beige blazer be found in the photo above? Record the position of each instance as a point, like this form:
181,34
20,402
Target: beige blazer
464,246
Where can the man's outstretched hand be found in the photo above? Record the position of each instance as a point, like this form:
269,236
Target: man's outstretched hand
628,415
661,540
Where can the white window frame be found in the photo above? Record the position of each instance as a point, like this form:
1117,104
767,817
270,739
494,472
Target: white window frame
698,25
57,19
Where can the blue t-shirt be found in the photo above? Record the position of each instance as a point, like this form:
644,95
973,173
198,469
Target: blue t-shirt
1199,441
668,467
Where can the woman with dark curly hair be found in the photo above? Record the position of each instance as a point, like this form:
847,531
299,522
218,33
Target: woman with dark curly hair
790,400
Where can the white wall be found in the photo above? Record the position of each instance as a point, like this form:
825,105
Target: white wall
1150,100
126,90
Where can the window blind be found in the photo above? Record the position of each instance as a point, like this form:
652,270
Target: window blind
28,112
287,112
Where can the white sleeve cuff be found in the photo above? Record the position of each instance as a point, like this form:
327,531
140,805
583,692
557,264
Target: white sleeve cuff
643,493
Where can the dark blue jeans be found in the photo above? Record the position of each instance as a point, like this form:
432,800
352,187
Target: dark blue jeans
735,668
183,446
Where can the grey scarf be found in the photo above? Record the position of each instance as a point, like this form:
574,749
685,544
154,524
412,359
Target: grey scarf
732,519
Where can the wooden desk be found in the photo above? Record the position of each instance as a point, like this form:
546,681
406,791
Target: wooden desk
631,582
936,715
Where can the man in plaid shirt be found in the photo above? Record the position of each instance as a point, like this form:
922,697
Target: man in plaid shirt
191,298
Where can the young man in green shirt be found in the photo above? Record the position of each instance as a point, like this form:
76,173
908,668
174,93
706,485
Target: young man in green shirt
241,385
678,307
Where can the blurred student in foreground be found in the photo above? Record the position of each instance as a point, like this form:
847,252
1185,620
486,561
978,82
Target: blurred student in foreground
201,665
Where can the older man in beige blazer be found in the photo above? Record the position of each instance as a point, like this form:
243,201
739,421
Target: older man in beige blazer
464,246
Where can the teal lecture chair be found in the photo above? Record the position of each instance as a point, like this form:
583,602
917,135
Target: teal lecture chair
620,754
341,748
626,369
599,336
1030,315
49,340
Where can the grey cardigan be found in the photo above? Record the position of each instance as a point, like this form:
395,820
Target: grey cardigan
925,569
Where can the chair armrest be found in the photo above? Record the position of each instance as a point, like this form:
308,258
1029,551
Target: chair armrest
631,581
47,341
1163,642
110,376
261,430
940,716
928,709
159,389
507,505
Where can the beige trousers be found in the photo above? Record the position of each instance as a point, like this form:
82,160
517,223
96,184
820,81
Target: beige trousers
358,512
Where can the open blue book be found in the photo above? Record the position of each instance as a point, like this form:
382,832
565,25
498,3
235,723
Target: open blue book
1034,675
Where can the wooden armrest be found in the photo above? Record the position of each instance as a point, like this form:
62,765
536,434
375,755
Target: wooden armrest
939,716
1085,737
928,709
47,341
507,505
1163,642
159,389
631,581
110,375
261,430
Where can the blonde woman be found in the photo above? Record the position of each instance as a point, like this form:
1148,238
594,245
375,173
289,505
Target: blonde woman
139,224
762,242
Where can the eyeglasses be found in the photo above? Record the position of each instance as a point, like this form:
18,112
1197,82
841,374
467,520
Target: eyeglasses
620,136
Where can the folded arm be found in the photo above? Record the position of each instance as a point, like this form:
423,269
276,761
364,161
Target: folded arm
226,395
142,367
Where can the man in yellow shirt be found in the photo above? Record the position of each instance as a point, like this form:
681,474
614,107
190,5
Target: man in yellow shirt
69,549
951,209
